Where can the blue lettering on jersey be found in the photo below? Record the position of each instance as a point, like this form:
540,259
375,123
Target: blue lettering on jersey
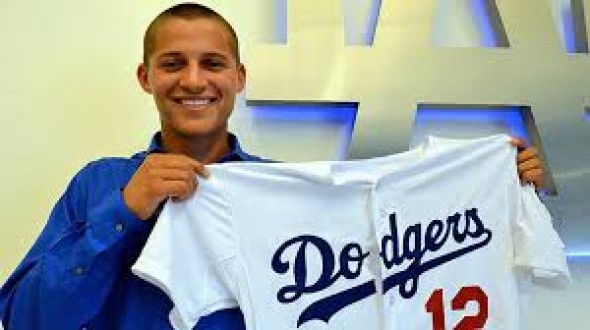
395,251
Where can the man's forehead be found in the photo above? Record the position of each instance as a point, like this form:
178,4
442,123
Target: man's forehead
179,35
178,28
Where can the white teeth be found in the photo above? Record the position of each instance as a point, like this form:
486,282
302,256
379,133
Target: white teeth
198,102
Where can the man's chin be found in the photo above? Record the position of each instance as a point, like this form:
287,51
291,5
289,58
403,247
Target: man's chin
201,132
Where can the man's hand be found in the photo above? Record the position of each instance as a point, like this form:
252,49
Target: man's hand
161,176
530,167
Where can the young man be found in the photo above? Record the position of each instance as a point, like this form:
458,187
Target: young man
77,274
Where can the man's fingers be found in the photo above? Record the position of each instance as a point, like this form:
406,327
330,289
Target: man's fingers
533,163
173,161
173,174
178,190
530,167
534,176
199,168
528,153
161,176
169,161
518,143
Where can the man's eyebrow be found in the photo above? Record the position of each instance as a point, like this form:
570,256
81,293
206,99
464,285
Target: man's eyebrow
170,54
215,54
205,55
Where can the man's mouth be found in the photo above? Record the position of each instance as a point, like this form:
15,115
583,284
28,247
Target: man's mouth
195,102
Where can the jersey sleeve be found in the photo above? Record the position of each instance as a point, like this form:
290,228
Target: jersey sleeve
189,245
538,248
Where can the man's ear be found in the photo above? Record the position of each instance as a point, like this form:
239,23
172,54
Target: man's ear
241,77
142,77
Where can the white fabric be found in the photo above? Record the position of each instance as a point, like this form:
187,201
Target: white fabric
216,250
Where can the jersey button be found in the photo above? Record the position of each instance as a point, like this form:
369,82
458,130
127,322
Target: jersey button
119,227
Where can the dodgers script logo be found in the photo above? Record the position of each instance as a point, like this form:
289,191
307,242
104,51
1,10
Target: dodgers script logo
414,243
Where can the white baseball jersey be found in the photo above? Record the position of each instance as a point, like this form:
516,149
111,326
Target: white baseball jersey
435,238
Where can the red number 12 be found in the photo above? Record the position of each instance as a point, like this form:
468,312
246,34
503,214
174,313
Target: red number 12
434,305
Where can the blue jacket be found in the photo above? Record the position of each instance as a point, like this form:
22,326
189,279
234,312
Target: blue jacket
77,274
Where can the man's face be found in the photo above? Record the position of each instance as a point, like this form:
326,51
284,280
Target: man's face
193,77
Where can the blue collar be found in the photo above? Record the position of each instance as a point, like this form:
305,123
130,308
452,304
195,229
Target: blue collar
235,154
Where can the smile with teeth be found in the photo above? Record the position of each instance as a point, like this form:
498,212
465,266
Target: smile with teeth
201,102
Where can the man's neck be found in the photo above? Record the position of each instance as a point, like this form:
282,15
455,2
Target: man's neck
205,149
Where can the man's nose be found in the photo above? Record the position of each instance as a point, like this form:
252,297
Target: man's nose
192,78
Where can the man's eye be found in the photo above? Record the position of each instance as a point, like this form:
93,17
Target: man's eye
214,64
170,65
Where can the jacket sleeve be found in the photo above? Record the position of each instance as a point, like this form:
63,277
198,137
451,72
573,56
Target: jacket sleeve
90,238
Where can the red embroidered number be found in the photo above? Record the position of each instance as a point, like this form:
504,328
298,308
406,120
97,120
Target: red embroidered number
434,305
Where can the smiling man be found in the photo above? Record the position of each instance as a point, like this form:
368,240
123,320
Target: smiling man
77,274
192,68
